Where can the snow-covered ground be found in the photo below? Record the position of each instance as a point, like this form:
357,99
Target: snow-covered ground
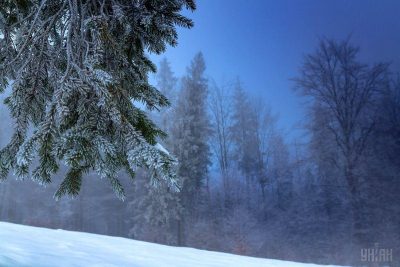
40,247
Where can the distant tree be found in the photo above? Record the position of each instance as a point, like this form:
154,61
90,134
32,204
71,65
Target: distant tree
155,211
268,147
159,206
387,132
242,134
281,167
76,67
345,92
166,83
191,133
382,166
252,132
221,109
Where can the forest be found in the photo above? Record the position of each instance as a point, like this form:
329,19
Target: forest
246,190
97,138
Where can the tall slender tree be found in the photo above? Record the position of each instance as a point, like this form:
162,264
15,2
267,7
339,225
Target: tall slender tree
166,83
221,108
191,134
242,133
159,206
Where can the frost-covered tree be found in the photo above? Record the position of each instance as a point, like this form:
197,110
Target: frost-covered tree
191,133
166,83
221,107
76,68
159,211
243,134
159,206
166,80
192,130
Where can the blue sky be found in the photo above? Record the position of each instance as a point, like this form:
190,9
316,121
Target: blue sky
263,42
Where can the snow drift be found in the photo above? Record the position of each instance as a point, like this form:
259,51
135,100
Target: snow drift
26,246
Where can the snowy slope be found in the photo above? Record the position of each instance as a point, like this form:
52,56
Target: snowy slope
40,247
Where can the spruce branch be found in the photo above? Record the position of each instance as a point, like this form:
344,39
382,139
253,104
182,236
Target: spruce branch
76,68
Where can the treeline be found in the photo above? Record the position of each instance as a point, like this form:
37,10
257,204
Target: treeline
244,188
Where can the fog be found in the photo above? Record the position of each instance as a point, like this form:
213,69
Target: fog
285,121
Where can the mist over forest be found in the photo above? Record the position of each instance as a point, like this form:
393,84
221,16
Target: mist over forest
255,193
244,183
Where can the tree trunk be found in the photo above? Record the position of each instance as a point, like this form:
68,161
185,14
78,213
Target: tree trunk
360,238
180,228
263,192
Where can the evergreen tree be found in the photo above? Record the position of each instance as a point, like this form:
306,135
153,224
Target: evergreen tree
166,80
159,206
243,134
191,133
192,129
159,210
166,83
76,69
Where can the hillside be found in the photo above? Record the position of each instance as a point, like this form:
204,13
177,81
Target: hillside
22,246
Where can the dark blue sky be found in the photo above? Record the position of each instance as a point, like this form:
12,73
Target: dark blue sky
263,42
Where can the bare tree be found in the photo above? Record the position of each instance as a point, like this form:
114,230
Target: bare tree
221,108
265,132
345,90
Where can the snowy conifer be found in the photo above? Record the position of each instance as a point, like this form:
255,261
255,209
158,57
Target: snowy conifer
192,128
160,207
166,83
243,132
190,133
77,66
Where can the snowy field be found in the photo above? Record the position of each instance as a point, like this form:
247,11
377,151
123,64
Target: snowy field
39,247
